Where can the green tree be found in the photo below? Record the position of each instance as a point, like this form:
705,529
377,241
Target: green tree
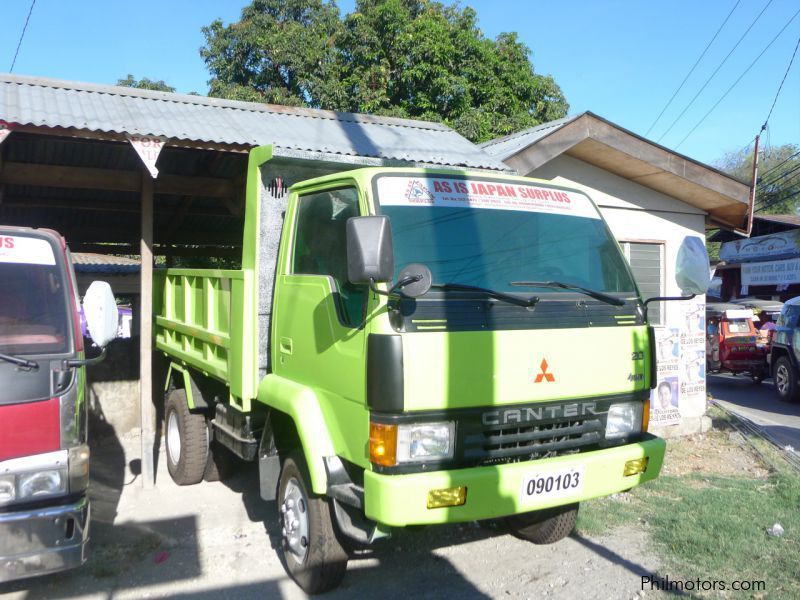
778,186
407,58
145,84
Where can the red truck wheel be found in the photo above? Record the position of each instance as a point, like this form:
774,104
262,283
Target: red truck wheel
312,553
186,437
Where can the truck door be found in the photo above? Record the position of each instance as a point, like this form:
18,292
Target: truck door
317,341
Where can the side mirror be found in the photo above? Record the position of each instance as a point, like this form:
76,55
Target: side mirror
692,272
370,254
101,313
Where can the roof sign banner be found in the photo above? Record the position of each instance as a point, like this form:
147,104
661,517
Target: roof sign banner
22,250
5,130
776,245
776,272
443,192
148,147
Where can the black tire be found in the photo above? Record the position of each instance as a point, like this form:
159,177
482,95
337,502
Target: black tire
221,462
786,379
546,526
324,563
186,440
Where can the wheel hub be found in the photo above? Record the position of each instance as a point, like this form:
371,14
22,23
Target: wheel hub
173,438
294,516
782,379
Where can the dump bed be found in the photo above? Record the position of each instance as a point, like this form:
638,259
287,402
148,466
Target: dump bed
204,318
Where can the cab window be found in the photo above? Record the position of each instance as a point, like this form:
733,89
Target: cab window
321,246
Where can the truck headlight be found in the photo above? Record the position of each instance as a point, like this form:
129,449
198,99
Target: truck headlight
390,445
623,420
34,477
423,442
42,483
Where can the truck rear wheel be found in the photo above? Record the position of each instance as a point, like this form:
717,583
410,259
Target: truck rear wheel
312,553
545,526
785,379
186,437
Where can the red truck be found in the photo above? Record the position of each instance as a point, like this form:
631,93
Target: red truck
44,456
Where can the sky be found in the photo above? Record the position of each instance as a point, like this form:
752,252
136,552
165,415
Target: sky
622,60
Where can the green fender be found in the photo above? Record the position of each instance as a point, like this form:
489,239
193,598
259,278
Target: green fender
188,385
302,405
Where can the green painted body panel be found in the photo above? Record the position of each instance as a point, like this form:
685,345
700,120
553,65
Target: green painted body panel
495,491
483,368
198,312
208,320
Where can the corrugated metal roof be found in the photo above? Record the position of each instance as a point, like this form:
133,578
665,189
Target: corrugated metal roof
784,219
112,109
511,144
86,262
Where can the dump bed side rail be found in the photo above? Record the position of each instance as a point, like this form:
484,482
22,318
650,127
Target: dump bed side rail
204,319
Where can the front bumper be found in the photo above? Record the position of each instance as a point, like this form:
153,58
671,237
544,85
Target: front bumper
495,491
43,540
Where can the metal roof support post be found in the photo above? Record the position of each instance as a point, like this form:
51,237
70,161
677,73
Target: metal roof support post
146,334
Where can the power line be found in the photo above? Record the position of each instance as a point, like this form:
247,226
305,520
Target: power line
697,62
777,200
764,183
780,164
739,79
724,60
22,35
782,82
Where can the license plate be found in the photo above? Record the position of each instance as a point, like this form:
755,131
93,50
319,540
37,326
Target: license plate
552,484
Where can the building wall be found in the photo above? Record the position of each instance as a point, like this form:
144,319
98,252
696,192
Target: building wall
636,213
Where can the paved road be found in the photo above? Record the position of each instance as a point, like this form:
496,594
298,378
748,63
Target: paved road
760,404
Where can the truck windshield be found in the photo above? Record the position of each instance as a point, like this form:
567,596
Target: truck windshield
493,234
33,308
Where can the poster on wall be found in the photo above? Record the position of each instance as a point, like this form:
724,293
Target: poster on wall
680,368
693,359
664,398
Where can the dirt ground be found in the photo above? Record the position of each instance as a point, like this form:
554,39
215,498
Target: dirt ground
216,539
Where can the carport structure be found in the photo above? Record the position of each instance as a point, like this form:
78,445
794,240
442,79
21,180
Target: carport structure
124,171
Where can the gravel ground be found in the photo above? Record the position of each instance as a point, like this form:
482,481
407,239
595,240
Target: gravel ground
210,540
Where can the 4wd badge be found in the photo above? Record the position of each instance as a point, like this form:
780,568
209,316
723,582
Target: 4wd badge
544,375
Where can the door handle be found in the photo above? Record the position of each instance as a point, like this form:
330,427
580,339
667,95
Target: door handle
286,345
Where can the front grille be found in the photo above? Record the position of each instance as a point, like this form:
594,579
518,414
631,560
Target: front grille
500,445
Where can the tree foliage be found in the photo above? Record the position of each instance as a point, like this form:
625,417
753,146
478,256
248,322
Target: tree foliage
407,58
145,84
778,185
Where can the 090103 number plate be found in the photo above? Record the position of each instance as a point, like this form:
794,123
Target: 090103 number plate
552,484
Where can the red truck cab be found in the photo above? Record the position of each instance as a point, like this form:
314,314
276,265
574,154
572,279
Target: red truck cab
44,456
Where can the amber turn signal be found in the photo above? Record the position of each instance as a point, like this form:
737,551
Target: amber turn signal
646,415
383,444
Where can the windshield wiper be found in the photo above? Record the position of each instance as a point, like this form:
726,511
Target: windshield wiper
22,362
491,293
566,286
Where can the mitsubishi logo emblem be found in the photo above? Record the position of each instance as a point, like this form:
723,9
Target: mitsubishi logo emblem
544,374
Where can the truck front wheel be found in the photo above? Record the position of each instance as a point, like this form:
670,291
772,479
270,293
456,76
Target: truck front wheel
186,436
544,526
312,553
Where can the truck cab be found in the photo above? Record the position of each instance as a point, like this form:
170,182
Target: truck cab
44,456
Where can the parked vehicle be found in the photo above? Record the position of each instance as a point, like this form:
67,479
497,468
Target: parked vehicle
731,342
44,458
764,312
467,386
783,357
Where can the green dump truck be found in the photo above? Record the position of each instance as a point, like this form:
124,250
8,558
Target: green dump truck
502,370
